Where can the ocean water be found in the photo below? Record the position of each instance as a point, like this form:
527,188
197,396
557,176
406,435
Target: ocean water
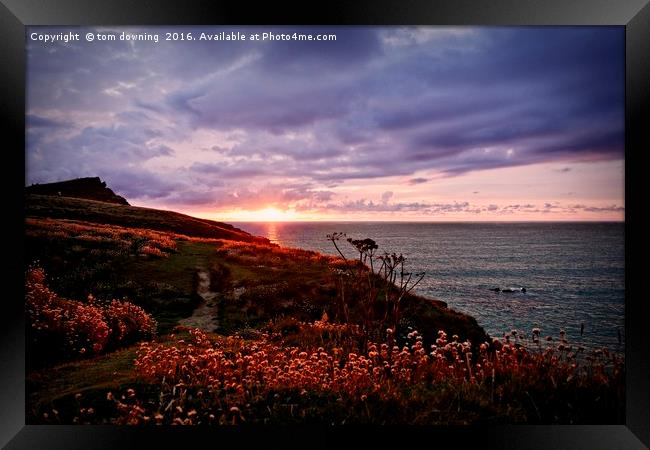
574,273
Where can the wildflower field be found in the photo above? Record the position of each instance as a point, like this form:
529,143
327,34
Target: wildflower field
192,378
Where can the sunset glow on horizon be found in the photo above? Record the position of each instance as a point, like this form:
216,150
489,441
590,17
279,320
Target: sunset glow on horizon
269,214
382,124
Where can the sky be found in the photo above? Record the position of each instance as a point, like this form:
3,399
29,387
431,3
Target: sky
415,123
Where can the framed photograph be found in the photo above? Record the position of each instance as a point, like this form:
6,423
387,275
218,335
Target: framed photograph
378,222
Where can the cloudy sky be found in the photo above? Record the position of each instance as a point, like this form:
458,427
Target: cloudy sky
382,124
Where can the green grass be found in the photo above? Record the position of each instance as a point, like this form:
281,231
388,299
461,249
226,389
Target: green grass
49,386
68,387
178,269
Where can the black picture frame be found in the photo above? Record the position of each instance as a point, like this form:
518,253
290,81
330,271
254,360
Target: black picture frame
634,15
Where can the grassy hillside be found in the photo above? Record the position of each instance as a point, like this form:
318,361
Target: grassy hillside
132,216
255,282
283,338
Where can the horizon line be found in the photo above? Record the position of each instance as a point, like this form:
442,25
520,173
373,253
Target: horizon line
424,221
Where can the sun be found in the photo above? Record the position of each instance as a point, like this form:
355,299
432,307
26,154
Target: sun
268,214
271,214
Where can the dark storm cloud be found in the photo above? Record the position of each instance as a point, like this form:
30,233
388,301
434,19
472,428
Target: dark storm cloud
373,103
230,170
276,110
517,206
613,208
437,208
303,196
555,207
33,121
139,183
192,197
365,206
352,47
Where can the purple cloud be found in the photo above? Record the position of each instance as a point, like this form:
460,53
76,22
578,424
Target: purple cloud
307,117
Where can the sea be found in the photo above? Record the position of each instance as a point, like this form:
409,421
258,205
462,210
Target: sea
573,273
